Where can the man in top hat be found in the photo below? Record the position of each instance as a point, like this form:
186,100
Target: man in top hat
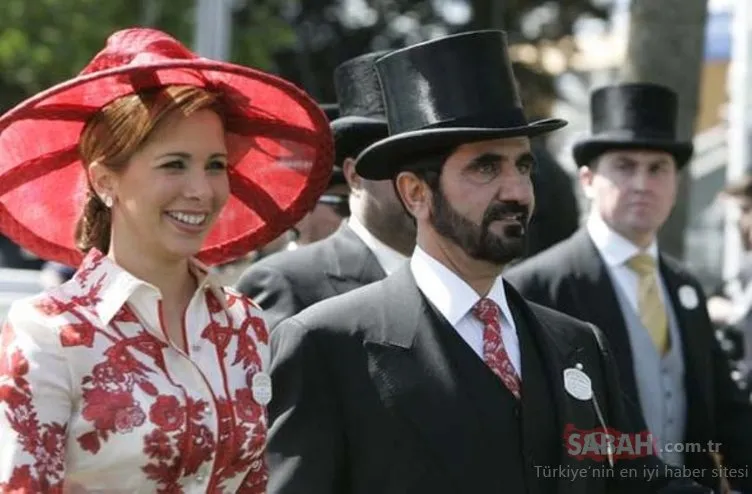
612,274
376,238
441,378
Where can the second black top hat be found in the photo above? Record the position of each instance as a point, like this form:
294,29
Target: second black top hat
362,119
632,116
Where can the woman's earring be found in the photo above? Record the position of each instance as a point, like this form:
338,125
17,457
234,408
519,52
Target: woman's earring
107,200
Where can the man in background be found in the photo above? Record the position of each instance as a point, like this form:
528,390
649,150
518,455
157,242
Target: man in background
612,274
376,238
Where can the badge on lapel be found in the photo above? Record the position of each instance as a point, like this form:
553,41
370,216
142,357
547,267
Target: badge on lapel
261,388
688,297
577,383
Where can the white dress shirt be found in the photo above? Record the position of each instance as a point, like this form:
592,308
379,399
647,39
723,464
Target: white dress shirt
389,259
98,400
616,251
455,299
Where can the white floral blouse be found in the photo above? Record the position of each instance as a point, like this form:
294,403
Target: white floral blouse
93,398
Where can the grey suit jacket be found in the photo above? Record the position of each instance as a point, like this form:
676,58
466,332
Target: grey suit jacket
285,283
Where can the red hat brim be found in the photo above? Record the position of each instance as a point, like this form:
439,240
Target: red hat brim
279,145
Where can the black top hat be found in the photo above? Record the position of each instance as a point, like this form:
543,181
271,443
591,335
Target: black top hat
446,92
362,119
632,116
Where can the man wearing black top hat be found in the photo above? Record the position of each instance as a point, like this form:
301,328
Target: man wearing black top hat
652,311
440,378
373,242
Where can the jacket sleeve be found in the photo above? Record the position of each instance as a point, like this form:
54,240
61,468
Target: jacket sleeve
272,291
305,448
35,404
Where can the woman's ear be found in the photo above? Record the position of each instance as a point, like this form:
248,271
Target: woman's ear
102,180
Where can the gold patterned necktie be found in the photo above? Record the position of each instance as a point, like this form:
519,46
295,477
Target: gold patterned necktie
651,308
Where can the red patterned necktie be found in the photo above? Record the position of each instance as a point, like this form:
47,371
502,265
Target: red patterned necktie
494,353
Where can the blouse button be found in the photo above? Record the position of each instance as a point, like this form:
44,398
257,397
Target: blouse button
195,348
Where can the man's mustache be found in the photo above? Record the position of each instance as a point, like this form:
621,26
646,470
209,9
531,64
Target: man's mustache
501,210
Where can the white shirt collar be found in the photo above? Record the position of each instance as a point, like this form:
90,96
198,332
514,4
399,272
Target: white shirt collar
389,259
613,247
115,286
449,293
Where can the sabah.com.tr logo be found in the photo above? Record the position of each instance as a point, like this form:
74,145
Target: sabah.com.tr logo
603,444
607,444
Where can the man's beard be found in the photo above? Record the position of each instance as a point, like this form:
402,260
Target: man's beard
478,241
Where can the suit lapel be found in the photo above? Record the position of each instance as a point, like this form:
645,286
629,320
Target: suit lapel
351,263
413,375
559,352
690,322
596,298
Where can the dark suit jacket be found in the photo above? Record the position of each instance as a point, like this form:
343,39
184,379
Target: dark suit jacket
365,401
285,283
571,277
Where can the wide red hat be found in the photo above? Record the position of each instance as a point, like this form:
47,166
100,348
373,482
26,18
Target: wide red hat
279,143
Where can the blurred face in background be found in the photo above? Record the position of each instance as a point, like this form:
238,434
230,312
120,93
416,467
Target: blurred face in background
633,191
375,205
326,216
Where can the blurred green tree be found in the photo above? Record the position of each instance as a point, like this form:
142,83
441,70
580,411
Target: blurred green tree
46,41
329,32
43,42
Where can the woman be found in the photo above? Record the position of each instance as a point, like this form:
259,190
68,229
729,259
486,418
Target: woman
141,374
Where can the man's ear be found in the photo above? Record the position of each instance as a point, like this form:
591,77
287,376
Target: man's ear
354,181
414,193
585,175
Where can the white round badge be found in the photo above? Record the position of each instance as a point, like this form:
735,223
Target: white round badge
578,384
688,297
261,388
